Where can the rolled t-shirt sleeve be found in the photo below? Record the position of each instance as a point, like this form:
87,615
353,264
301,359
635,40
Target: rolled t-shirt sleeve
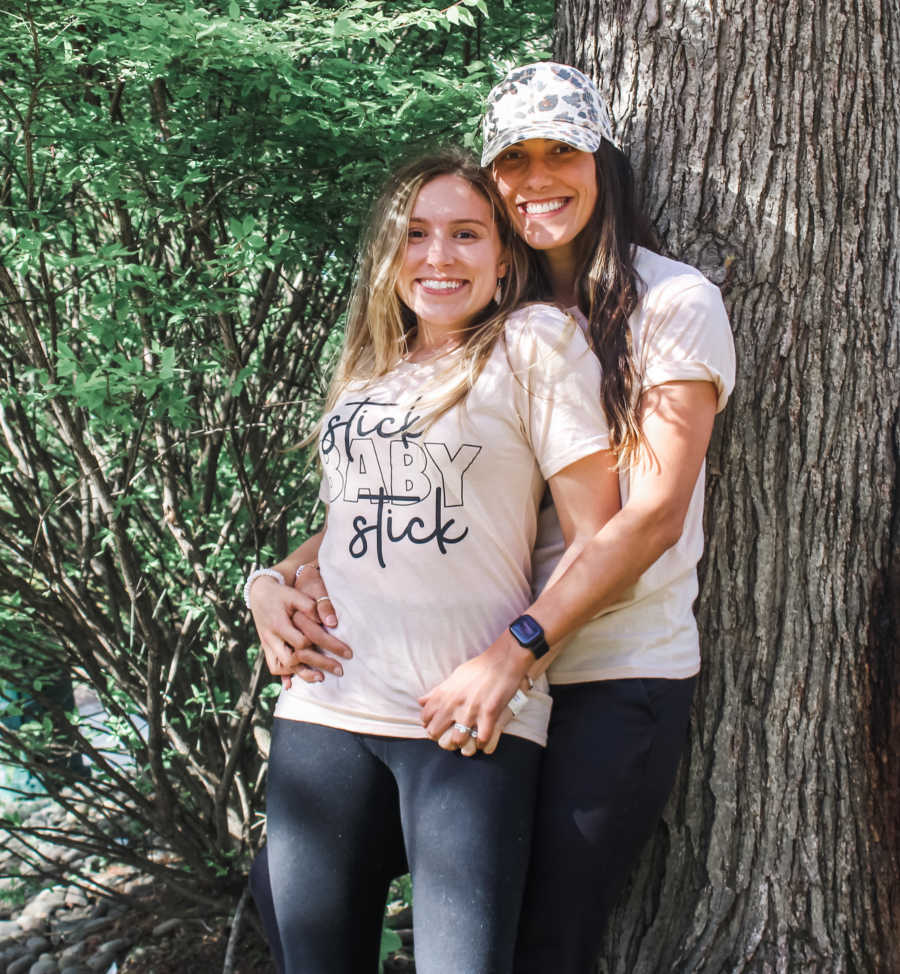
556,387
685,335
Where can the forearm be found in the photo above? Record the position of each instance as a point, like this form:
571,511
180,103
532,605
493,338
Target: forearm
677,422
595,574
568,558
595,571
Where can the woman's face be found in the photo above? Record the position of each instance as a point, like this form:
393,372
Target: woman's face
453,256
550,189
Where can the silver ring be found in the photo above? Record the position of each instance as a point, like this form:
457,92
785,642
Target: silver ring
322,598
465,730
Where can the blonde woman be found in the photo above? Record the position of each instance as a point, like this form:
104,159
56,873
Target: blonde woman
626,649
448,413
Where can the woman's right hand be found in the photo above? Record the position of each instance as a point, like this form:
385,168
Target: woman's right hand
291,630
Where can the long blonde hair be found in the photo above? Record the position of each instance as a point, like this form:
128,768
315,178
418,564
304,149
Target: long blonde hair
379,325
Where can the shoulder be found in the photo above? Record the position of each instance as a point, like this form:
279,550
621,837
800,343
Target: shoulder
676,298
680,328
539,328
537,318
664,281
545,344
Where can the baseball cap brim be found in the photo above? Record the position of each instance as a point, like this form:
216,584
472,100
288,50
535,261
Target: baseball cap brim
559,131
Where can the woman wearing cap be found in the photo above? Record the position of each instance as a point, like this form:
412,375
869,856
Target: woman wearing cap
624,646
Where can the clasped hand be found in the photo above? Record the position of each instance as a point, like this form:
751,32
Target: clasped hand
291,623
475,696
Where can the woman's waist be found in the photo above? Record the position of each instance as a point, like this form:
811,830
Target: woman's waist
402,648
386,715
652,637
431,639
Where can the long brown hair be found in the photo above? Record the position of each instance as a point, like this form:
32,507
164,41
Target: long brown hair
379,325
607,288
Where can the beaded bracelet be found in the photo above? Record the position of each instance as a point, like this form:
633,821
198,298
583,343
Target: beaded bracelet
258,573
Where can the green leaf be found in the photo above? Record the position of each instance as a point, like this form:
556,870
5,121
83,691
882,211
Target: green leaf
342,27
390,941
167,365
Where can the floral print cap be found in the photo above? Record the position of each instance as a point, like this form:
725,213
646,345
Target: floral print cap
545,101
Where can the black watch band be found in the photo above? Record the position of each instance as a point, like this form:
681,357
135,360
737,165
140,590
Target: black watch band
529,634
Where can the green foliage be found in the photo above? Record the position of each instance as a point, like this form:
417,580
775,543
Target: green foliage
181,190
399,902
390,941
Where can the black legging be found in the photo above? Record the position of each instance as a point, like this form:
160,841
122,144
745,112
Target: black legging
341,807
612,753
611,758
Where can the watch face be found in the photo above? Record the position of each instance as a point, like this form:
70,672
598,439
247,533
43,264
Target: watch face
526,630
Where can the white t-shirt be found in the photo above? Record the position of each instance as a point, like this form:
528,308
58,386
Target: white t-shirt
679,330
427,553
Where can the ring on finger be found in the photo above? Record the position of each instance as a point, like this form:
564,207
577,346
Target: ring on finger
470,731
322,598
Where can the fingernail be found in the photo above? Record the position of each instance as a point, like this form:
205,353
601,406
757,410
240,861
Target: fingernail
331,621
318,677
347,654
338,671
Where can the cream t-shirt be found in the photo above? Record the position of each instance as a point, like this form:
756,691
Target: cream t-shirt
679,331
427,552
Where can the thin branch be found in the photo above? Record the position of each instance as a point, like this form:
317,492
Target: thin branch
234,936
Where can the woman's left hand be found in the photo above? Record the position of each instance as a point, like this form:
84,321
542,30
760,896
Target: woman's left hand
475,695
471,747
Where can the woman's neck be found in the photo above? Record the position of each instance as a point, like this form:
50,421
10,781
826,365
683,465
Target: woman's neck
561,265
429,343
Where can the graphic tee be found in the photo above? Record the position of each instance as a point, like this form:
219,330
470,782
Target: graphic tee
679,331
427,550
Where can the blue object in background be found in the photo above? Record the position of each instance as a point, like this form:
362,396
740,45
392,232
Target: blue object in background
17,708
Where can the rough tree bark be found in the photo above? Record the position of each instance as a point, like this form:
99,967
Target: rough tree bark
766,138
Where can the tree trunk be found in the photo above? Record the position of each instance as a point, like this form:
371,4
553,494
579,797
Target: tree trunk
765,137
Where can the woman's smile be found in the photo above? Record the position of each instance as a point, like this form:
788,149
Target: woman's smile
543,207
550,189
438,286
453,259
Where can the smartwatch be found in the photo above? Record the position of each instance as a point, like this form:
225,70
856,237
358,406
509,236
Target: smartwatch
528,633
